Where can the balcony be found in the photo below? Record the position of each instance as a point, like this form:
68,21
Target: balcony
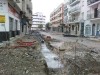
93,2
73,2
74,20
75,9
94,17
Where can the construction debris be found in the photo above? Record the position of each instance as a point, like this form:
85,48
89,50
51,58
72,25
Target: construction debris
78,59
22,60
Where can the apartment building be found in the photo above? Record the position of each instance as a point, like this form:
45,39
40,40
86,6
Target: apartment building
65,11
83,17
12,19
26,15
94,17
38,19
66,6
76,17
57,18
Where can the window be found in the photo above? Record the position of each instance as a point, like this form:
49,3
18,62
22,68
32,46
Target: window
88,14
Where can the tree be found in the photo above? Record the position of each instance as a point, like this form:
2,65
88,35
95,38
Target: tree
40,26
48,26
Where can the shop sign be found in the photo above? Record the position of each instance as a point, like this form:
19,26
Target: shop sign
2,19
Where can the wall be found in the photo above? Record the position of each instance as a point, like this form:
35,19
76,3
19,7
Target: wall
4,12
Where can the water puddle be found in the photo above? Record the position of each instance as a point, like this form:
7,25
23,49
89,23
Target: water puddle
51,59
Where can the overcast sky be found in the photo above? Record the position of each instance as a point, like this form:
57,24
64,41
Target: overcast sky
45,6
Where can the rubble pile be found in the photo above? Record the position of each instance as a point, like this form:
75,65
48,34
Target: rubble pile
22,61
81,60
78,59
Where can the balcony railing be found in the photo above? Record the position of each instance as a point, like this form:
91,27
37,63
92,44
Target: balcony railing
92,1
74,20
73,2
93,16
75,9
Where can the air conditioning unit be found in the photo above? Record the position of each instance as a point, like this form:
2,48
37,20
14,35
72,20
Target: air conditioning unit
17,1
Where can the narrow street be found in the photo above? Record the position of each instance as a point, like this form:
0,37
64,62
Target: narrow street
45,37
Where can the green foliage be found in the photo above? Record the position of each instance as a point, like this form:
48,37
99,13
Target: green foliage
48,26
40,26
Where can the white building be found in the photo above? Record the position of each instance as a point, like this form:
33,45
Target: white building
93,14
11,17
38,19
76,17
65,11
83,17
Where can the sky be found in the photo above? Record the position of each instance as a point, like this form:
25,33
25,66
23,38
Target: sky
45,6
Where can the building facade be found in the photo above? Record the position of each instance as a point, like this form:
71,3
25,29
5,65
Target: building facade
38,20
65,11
26,15
57,18
83,17
76,17
11,19
94,17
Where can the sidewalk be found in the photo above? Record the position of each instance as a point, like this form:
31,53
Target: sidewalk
56,33
82,40
94,39
5,43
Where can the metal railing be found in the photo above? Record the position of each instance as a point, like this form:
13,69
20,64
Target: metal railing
93,16
92,1
74,19
73,1
77,9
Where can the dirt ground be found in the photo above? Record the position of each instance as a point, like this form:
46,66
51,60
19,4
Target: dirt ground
22,61
78,59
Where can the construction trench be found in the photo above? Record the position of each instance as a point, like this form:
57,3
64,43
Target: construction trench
53,57
70,58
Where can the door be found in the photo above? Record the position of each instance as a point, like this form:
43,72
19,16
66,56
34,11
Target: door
82,29
93,30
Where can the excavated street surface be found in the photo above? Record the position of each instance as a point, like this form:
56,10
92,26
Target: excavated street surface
78,59
22,61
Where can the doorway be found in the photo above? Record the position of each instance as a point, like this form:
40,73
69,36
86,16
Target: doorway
76,30
11,20
93,30
82,29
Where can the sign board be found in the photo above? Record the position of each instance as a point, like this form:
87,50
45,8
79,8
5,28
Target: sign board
2,19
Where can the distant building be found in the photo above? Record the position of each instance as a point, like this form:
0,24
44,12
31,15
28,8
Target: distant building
57,18
38,19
